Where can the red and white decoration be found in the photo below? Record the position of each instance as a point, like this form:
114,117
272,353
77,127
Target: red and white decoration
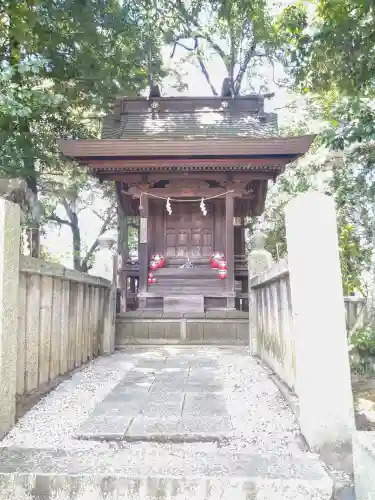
223,273
159,259
153,265
222,265
215,258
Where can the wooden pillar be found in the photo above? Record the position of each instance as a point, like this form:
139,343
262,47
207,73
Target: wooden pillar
123,250
143,250
229,238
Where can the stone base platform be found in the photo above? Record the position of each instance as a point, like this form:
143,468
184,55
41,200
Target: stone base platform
216,327
80,475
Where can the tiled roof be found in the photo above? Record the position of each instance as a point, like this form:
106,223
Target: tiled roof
204,123
182,147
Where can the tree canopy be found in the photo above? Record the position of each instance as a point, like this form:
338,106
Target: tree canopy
62,63
240,35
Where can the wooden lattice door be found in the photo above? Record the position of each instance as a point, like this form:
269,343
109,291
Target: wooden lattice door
188,232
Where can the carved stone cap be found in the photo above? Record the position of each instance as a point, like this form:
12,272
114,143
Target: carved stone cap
258,240
107,241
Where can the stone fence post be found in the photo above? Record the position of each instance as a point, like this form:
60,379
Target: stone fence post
258,261
10,236
323,382
105,266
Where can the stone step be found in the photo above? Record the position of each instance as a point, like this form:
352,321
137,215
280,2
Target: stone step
176,282
154,475
178,302
186,289
186,273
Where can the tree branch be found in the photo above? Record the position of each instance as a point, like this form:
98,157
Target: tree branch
206,75
188,18
243,67
55,218
68,209
103,229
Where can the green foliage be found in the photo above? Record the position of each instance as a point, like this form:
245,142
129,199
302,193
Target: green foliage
331,44
48,114
354,236
351,259
364,341
362,344
62,63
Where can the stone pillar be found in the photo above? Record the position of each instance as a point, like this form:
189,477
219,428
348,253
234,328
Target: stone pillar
107,345
107,264
143,251
229,238
103,267
10,235
258,261
323,382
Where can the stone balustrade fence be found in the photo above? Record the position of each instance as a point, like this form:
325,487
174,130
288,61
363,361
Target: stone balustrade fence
61,321
272,313
53,320
298,325
355,312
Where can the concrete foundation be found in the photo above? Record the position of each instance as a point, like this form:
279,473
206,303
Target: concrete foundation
156,327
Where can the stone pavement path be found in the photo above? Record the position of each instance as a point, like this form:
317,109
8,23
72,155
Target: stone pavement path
208,382
164,398
259,420
169,423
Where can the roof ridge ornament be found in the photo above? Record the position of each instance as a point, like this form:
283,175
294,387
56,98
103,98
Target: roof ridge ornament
227,88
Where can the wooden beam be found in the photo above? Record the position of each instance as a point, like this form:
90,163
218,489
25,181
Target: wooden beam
188,193
134,178
153,164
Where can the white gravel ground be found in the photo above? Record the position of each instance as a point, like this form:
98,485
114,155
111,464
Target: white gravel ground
262,421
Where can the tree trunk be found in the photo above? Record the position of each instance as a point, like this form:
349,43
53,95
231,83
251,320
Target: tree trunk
35,233
76,243
24,129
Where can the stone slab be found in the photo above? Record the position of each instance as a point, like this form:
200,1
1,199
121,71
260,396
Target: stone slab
195,315
172,331
47,474
156,330
172,315
111,409
178,430
194,332
214,333
164,405
103,427
204,405
179,303
151,314
215,314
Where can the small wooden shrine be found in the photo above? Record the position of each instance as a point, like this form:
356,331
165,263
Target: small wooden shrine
192,169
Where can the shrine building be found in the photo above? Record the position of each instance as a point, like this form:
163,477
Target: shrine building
193,170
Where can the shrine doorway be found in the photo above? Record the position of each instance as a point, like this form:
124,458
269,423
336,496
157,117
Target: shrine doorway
189,234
